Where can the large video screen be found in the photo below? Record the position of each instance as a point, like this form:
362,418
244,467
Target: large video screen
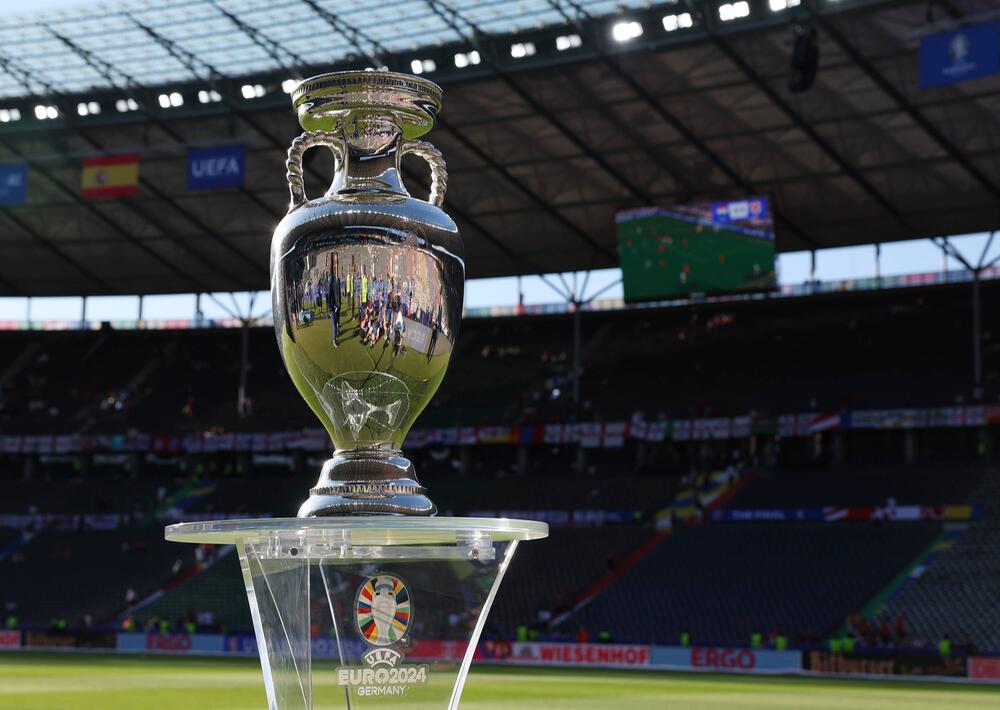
703,247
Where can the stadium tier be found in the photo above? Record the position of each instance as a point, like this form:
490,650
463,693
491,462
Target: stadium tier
844,351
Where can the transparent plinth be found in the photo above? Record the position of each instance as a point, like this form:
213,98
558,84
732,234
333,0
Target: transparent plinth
367,612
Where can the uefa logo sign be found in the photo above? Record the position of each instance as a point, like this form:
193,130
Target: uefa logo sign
383,610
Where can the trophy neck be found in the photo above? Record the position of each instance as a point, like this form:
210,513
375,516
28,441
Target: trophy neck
373,111
371,162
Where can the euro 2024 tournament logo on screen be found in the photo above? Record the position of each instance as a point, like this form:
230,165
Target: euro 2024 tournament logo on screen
959,48
383,612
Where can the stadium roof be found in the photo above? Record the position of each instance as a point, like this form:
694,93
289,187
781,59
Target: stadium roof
546,136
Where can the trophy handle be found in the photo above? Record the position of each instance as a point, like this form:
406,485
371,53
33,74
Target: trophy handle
294,163
439,171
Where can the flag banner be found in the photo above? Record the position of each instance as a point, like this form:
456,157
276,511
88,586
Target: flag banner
110,176
614,435
216,168
966,53
13,184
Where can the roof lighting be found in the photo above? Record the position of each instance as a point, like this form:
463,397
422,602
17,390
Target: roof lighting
288,85
627,30
734,11
564,42
422,66
43,112
125,105
779,5
171,100
88,108
209,96
522,49
9,114
467,59
681,21
252,91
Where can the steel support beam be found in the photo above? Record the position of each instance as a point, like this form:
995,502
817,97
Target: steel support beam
375,60
576,17
109,72
779,101
890,90
452,18
22,75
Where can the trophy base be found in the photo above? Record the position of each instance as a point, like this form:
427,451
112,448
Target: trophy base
381,613
367,483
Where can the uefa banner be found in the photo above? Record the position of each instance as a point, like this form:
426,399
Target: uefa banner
10,639
726,660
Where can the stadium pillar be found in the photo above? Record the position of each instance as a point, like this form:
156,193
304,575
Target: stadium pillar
577,325
241,395
83,311
141,304
909,445
27,311
839,447
977,340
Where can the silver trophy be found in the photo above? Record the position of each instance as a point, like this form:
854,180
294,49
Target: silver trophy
366,599
367,285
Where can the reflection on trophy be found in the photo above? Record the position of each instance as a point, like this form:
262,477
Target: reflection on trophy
367,284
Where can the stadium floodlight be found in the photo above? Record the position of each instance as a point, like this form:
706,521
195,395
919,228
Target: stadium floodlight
779,5
125,105
209,96
252,91
734,10
171,100
288,85
9,114
626,30
522,49
463,60
682,21
46,111
422,66
88,108
564,42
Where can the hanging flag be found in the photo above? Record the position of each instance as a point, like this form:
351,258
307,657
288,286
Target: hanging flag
110,176
215,168
13,184
970,52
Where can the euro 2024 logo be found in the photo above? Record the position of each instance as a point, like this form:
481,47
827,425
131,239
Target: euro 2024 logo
958,48
383,612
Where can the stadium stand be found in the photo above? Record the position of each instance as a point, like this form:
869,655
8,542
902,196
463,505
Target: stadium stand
956,593
824,353
723,583
96,570
858,485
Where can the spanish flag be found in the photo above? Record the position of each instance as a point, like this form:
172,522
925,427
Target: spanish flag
110,176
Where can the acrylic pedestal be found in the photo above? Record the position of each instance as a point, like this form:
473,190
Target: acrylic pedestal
376,612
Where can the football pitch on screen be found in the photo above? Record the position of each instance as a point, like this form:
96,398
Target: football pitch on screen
63,682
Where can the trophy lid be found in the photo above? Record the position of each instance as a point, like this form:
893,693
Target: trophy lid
329,101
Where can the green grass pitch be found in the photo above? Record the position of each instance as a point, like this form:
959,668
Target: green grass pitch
63,682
